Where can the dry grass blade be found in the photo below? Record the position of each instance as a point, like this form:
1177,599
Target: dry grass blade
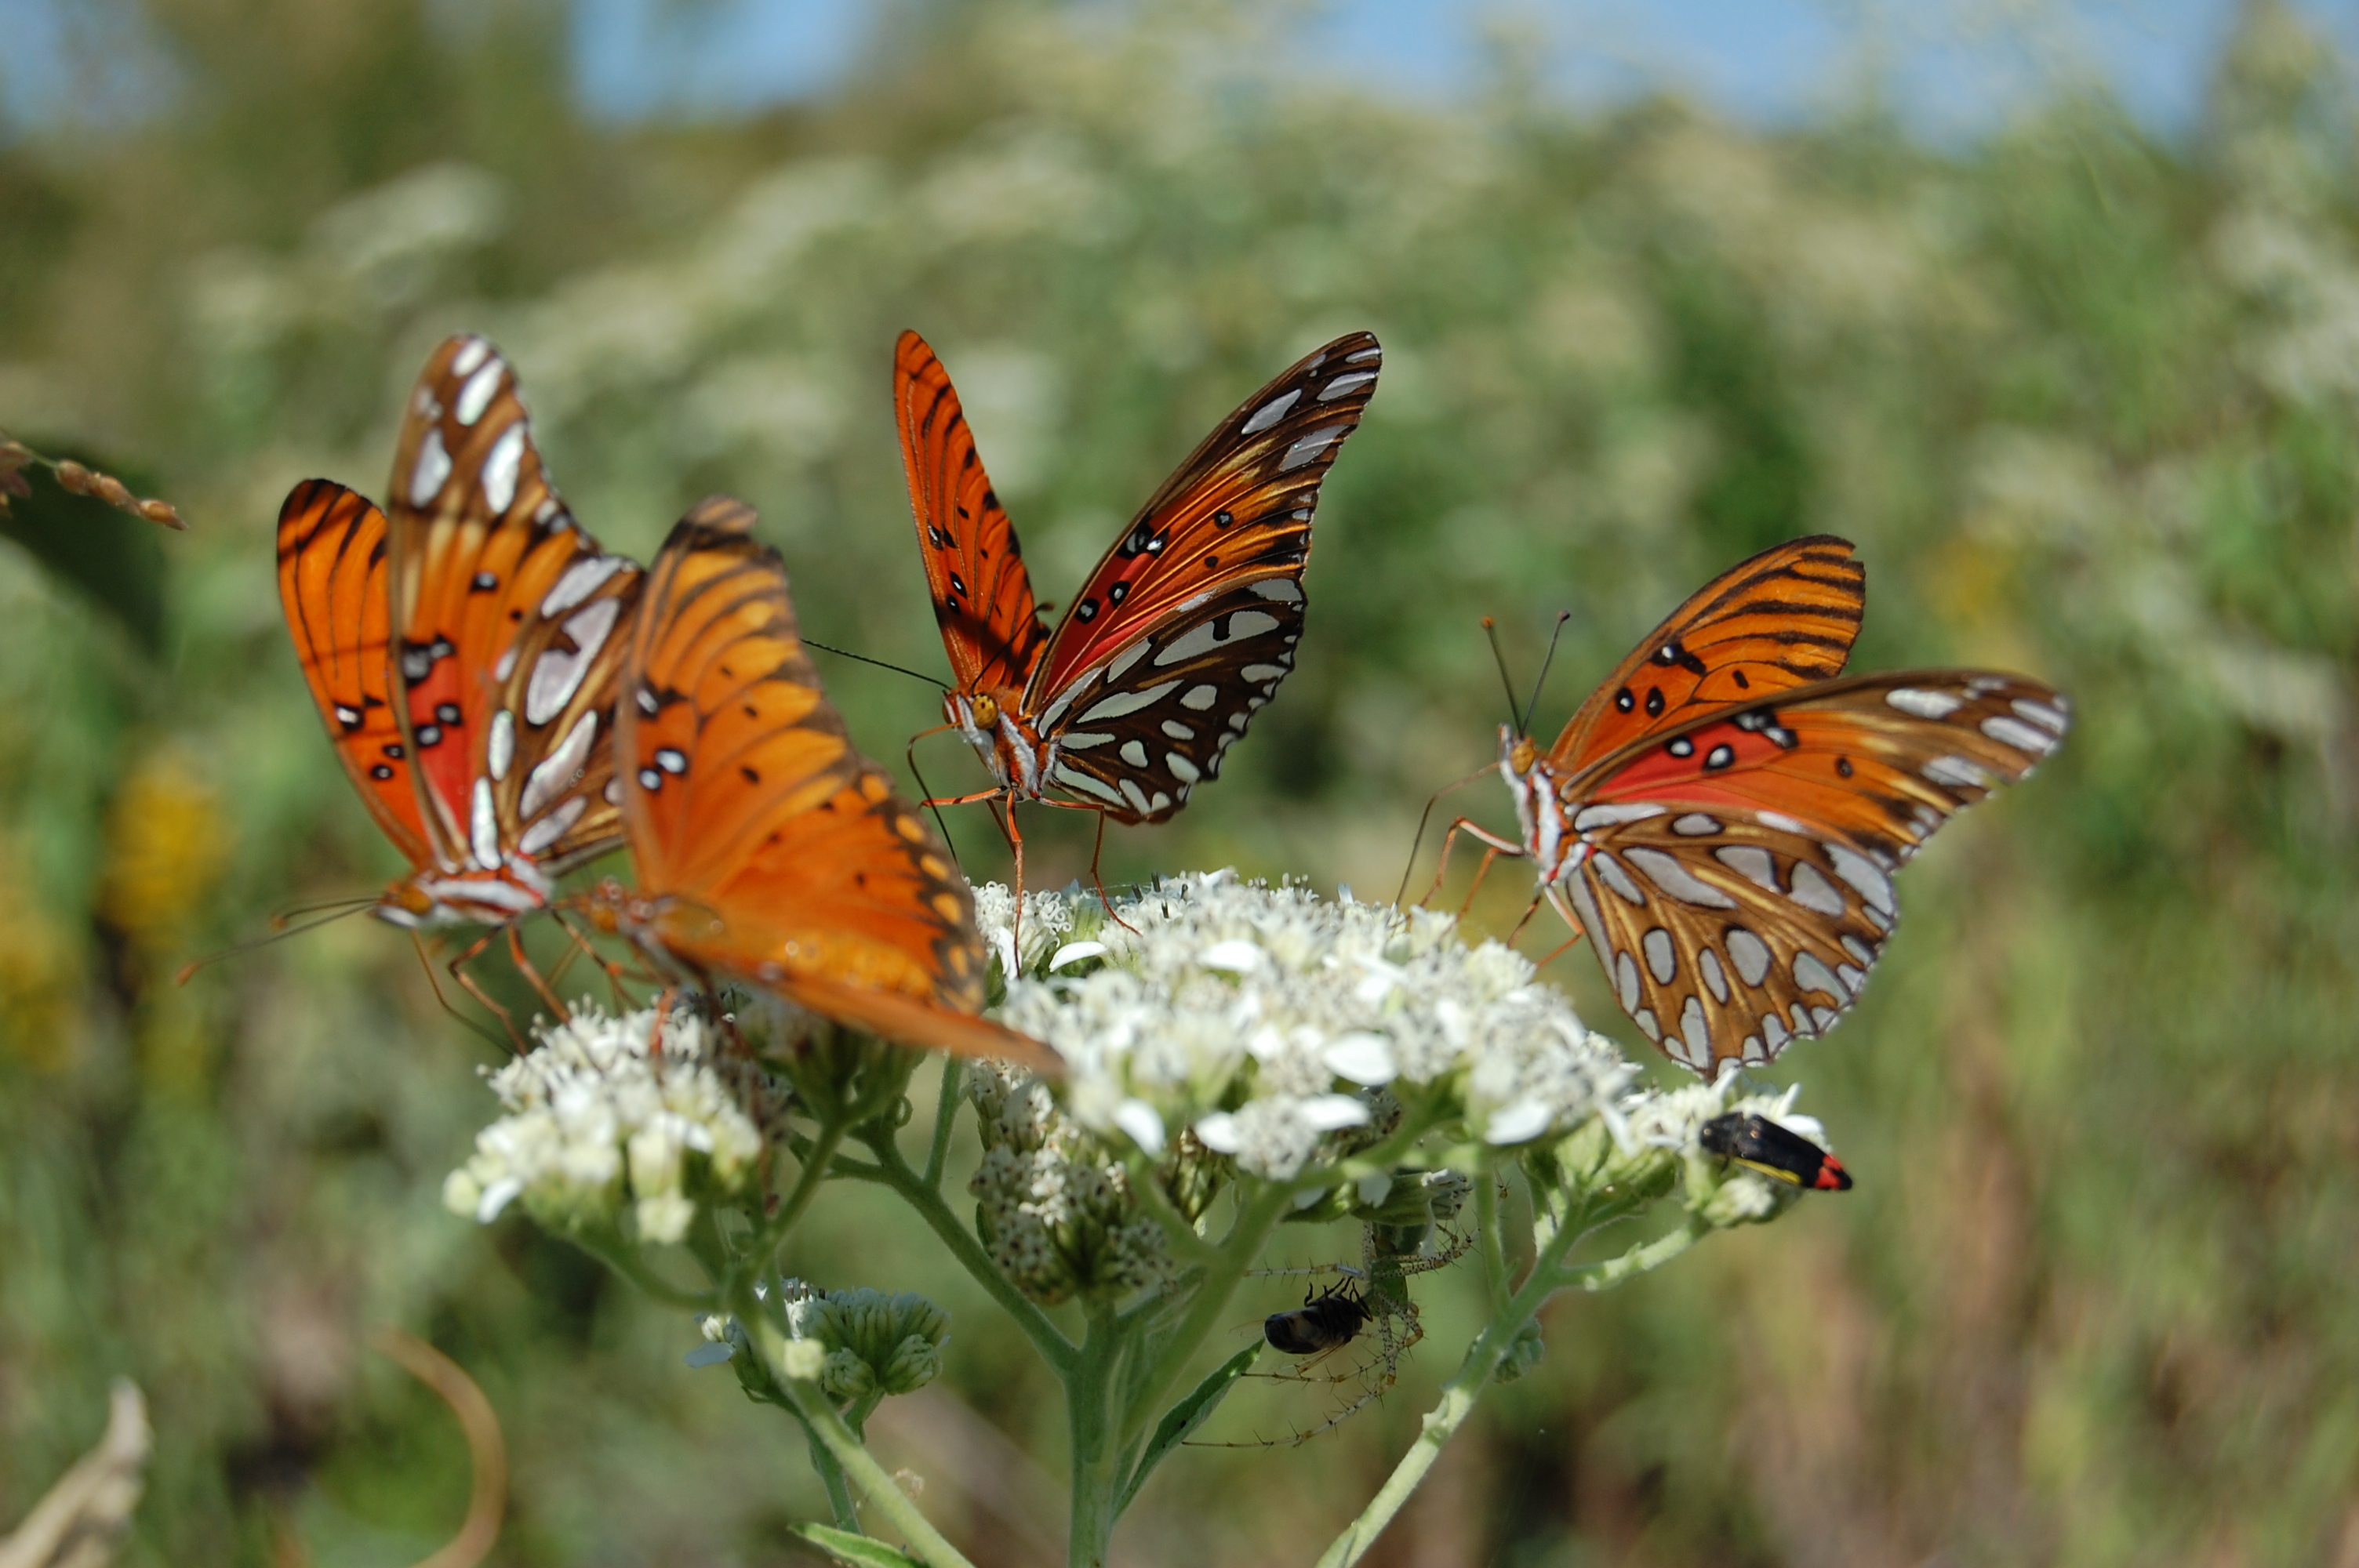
84,1517
488,1501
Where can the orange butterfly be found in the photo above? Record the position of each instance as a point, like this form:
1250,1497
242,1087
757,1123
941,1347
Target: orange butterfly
768,849
462,652
1721,817
1180,634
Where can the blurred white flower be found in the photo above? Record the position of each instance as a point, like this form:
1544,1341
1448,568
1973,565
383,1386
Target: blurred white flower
596,1128
1054,1204
1263,1017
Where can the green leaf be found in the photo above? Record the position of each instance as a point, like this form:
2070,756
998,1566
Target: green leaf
860,1551
116,561
1181,1421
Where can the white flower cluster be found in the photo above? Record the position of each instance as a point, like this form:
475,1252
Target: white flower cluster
1265,1017
1054,1207
596,1125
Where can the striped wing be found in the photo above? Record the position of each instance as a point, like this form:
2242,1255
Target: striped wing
974,567
1739,887
512,621
1784,617
780,854
1190,623
331,583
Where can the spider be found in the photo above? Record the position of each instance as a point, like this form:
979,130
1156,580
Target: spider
1331,1320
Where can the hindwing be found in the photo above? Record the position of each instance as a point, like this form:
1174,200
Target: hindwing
1738,885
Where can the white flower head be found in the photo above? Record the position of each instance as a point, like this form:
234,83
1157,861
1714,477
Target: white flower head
1262,1018
597,1127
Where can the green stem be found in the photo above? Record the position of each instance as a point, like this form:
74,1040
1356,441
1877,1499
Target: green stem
846,1450
619,1256
1494,1245
1054,1347
1238,1249
1094,1424
1612,1272
1548,1275
830,1475
945,1121
815,1170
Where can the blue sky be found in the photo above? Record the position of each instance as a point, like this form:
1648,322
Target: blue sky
1953,67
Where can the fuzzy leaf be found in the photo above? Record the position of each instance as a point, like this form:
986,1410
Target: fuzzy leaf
1181,1421
860,1551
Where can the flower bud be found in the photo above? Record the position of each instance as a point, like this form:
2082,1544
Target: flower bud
871,1340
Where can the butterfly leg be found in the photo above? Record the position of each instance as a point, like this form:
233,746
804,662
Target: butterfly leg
1426,818
532,976
1497,847
1099,882
443,1002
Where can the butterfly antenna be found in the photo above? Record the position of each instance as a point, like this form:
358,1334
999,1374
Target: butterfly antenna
283,932
280,921
880,663
926,793
1491,631
1562,617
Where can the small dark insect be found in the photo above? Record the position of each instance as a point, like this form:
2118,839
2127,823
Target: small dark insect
1760,1144
1323,1322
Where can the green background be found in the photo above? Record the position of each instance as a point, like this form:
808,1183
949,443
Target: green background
2084,399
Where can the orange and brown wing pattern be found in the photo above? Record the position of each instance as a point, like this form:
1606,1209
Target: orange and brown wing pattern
1235,517
512,622
781,855
1784,617
1739,888
975,567
331,584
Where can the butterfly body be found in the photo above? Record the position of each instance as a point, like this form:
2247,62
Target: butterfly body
993,723
1722,817
1182,633
460,643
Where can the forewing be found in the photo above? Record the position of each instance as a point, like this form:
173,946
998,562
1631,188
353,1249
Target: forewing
1781,619
331,583
1190,623
513,622
787,858
974,567
1739,888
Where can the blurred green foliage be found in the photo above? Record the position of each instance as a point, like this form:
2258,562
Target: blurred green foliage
2087,402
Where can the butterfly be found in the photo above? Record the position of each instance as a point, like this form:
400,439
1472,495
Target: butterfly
767,849
1775,1150
1178,637
462,647
1722,817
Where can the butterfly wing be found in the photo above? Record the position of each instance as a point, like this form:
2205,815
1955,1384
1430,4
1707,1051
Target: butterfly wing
781,855
1784,617
510,619
974,567
1739,888
331,583
1190,623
